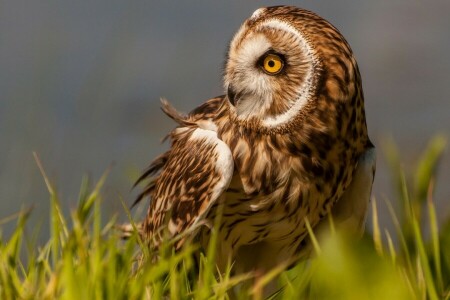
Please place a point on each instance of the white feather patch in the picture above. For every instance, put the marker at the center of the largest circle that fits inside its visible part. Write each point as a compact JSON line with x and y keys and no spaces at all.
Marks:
{"x":305,"y":89}
{"x":257,"y":13}
{"x":224,"y":164}
{"x":259,"y":96}
{"x":255,"y":87}
{"x":255,"y":46}
{"x":207,"y":124}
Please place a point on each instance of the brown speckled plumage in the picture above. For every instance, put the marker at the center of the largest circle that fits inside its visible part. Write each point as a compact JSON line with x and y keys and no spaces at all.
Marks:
{"x":270,"y":159}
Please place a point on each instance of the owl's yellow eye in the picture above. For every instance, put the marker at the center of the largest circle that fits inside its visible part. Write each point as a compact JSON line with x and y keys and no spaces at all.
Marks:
{"x":272,"y":64}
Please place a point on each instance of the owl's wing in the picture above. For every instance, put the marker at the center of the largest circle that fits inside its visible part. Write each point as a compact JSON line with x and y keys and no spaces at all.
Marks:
{"x":194,"y":173}
{"x":349,"y":212}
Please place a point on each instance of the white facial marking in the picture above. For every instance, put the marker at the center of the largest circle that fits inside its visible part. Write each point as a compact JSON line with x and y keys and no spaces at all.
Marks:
{"x":304,"y":90}
{"x":255,"y":46}
{"x":255,"y":86}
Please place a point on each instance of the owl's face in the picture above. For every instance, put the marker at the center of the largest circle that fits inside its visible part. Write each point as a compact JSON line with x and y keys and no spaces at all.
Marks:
{"x":274,"y":65}
{"x":269,"y":69}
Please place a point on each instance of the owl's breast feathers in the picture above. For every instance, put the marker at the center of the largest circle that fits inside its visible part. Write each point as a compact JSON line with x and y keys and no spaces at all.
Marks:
{"x":269,"y":183}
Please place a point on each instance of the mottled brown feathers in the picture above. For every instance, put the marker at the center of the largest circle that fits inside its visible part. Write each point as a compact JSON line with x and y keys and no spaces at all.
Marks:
{"x":284,"y":151}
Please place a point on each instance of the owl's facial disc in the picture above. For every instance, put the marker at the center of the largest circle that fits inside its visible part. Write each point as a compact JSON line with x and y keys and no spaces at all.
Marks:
{"x":271,"y":63}
{"x":268,"y":71}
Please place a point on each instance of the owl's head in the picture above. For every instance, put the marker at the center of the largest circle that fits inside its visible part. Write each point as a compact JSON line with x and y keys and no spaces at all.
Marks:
{"x":281,"y":61}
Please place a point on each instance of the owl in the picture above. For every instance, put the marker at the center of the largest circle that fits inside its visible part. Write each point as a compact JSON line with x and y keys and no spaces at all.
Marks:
{"x":285,"y":148}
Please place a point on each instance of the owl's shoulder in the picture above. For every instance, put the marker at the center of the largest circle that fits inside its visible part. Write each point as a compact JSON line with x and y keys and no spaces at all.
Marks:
{"x":208,"y":110}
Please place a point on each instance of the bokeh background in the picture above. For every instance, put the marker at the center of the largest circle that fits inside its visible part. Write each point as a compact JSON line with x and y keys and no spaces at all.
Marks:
{"x":80,"y":83}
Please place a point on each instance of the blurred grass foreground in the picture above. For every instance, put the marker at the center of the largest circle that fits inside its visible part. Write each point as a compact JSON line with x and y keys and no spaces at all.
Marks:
{"x":85,"y":257}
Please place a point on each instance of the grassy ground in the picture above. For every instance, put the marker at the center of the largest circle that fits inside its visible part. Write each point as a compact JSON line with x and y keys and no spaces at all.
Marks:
{"x":86,"y":259}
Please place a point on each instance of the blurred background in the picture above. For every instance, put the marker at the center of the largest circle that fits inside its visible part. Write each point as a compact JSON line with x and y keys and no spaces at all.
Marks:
{"x":80,"y":83}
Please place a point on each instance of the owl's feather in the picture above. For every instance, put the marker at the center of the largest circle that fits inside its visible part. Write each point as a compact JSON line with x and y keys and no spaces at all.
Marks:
{"x":278,"y":150}
{"x":193,"y":174}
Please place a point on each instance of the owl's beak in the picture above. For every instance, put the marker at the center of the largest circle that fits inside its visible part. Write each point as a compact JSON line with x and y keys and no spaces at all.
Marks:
{"x":231,"y":93}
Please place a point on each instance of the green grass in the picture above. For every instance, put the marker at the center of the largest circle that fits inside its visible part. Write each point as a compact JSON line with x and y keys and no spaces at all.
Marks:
{"x":86,"y":259}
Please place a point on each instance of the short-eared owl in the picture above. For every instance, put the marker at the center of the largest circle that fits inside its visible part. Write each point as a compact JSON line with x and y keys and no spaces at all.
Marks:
{"x":285,"y":146}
